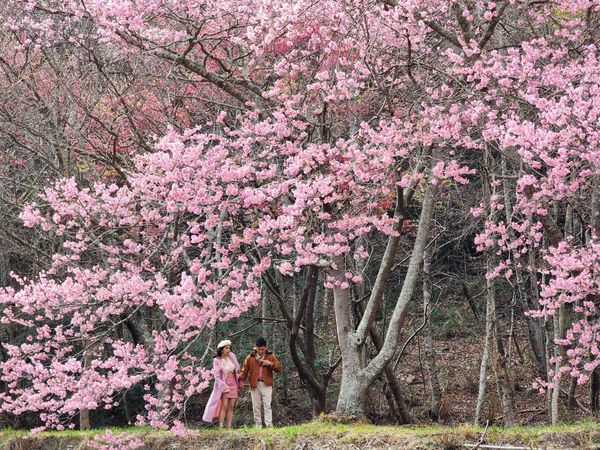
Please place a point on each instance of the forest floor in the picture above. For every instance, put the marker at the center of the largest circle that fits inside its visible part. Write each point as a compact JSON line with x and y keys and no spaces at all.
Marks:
{"x":458,"y":349}
{"x":328,"y":436}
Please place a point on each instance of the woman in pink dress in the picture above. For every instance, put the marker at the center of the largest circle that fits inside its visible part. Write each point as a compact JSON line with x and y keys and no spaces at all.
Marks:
{"x":225,"y":390}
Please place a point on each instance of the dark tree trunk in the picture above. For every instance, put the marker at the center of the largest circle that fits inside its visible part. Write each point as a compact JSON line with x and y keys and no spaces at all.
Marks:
{"x":471,"y":302}
{"x":301,"y":342}
{"x":595,"y":390}
{"x":595,"y":376}
{"x":572,"y":401}
{"x":391,"y":386}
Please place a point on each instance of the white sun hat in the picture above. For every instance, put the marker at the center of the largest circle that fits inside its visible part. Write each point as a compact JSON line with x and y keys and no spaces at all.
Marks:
{"x":224,"y":343}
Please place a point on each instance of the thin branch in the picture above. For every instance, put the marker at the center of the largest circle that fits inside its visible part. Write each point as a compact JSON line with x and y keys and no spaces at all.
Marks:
{"x":449,"y":36}
{"x":489,"y":32}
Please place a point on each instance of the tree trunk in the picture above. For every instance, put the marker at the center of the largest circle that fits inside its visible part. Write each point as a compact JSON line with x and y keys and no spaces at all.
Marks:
{"x":534,"y":324}
{"x":490,"y":314}
{"x":594,"y":389}
{"x":324,"y":319}
{"x":535,"y":328}
{"x":504,"y":381}
{"x":558,"y":327}
{"x":595,"y":213}
{"x":309,"y":323}
{"x":570,"y":232}
{"x":11,"y":332}
{"x":352,"y":396}
{"x":434,"y":383}
{"x":392,"y":389}
{"x":502,"y":371}
{"x":84,"y":414}
{"x":356,"y":380}
{"x":84,"y":419}
{"x":4,"y":270}
{"x":264,"y":313}
{"x":306,"y":369}
{"x":352,"y":388}
{"x":301,"y":340}
{"x":538,"y":325}
{"x":558,"y":331}
{"x":572,"y":401}
{"x":470,"y":301}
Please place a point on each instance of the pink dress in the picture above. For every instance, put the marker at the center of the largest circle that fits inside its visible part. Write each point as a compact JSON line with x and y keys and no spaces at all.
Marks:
{"x":213,"y":407}
{"x":230,"y":379}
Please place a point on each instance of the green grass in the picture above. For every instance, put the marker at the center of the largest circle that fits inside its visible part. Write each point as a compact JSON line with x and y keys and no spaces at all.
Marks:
{"x":317,"y":427}
{"x":428,"y":436}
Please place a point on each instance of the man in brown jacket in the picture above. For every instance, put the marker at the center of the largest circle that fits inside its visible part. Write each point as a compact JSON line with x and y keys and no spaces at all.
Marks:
{"x":258,"y":368}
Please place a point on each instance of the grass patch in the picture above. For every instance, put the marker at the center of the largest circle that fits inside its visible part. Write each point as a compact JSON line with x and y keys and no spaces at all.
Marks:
{"x":322,"y":433}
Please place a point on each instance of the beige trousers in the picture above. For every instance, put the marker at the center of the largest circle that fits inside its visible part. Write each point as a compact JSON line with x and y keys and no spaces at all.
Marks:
{"x":261,"y":398}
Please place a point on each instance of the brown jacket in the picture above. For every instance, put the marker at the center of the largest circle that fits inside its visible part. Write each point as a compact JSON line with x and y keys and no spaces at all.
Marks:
{"x":251,"y":368}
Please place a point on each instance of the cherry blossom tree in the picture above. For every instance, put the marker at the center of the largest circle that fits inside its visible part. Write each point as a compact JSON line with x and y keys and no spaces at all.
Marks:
{"x":547,"y":125}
